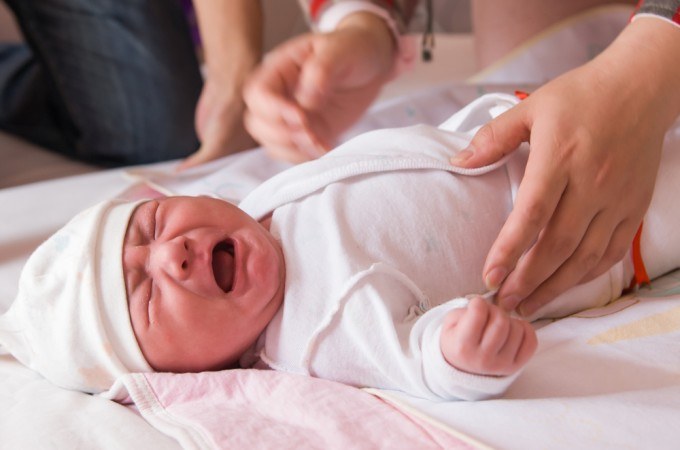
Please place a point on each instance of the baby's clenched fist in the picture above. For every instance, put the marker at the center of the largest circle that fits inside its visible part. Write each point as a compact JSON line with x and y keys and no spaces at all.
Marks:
{"x":483,"y":339}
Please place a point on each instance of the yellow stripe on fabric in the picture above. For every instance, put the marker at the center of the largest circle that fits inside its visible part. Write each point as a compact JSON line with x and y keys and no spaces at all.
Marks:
{"x":662,"y":323}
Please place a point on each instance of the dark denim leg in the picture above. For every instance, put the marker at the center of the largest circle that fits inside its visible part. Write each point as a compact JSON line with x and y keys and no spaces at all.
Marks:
{"x":27,"y":107}
{"x":123,"y":71}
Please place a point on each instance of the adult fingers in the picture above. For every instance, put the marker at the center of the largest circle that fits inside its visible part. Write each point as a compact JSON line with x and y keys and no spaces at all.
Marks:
{"x":558,"y":240}
{"x":210,"y":148}
{"x":537,"y":198}
{"x":586,"y":256}
{"x":599,"y":250}
{"x":281,"y":142}
{"x":270,"y":91}
{"x":315,"y":83}
{"x":199,"y":157}
{"x":496,"y":139}
{"x":271,"y":105}
{"x":619,"y":245}
{"x":218,"y":139}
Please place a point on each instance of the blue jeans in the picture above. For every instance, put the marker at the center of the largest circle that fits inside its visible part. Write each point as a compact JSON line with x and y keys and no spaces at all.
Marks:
{"x":111,"y":82}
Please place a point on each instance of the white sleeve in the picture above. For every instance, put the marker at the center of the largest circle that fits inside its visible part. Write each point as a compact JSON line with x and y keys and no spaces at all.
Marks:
{"x":381,"y":339}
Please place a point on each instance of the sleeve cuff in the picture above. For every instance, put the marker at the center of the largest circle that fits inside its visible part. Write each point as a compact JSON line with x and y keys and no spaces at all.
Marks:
{"x":675,"y":21}
{"x":406,"y":46}
{"x":458,"y":384}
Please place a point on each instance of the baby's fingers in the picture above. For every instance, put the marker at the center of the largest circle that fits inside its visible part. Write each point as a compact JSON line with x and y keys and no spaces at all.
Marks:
{"x":462,"y":333}
{"x":471,"y":326}
{"x":521,"y":345}
{"x":495,"y":334}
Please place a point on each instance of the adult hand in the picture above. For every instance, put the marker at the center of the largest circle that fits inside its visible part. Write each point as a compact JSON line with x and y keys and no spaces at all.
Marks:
{"x":219,"y":123}
{"x":483,"y":339}
{"x":231,"y":33}
{"x":312,"y":88}
{"x":595,"y":135}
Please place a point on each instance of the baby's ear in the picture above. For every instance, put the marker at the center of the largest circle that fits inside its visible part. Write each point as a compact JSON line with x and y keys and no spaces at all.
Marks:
{"x":140,"y":191}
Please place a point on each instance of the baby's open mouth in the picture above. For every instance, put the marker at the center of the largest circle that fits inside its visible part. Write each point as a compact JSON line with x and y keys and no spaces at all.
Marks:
{"x":223,"y":265}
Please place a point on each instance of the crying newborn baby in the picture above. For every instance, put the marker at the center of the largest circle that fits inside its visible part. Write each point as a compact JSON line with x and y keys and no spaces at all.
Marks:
{"x":362,"y":267}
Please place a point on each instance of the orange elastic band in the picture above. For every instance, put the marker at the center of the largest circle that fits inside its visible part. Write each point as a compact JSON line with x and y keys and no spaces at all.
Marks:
{"x":640,"y":277}
{"x":521,"y":95}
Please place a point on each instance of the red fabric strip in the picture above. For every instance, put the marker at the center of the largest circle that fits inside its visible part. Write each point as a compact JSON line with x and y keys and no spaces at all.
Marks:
{"x":640,"y":277}
{"x":315,"y":7}
{"x":637,"y":8}
{"x":676,"y":16}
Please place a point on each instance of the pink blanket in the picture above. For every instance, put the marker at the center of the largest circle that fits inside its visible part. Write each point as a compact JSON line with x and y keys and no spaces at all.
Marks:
{"x":267,"y":409}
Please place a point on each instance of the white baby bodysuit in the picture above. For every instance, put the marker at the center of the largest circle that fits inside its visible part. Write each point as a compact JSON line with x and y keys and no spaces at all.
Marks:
{"x":378,"y":237}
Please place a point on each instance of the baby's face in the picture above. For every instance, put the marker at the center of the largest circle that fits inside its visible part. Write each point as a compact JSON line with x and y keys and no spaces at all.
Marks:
{"x":203,"y":280}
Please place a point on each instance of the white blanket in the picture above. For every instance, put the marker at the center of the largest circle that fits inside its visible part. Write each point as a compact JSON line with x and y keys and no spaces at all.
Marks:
{"x":604,"y":379}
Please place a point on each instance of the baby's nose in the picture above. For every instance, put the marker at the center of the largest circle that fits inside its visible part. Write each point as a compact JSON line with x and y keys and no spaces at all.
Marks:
{"x":172,"y":257}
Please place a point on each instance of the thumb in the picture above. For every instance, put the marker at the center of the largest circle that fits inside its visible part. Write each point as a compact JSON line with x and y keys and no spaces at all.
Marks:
{"x":496,"y":139}
{"x":209,"y":149}
{"x":332,"y":65}
{"x":317,"y":81}
{"x":200,"y":156}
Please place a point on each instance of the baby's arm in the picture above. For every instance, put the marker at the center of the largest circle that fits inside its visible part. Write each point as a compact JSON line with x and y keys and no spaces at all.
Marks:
{"x":482,"y":339}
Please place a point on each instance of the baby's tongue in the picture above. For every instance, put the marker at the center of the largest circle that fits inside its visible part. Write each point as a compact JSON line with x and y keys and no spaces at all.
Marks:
{"x":223,"y":267}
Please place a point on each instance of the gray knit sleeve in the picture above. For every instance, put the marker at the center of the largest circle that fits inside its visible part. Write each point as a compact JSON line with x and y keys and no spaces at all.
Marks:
{"x":669,"y":9}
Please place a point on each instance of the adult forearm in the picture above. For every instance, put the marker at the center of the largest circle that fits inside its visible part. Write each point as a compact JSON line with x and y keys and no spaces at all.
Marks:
{"x":231,"y":32}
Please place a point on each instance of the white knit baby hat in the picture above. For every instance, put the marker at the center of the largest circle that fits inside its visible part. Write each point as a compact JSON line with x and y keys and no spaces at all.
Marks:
{"x":70,"y":320}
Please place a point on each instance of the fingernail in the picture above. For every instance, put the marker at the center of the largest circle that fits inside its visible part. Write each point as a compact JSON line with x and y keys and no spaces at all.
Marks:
{"x":495,"y":277}
{"x":510,"y":303}
{"x":462,"y":156}
{"x":525,"y":310}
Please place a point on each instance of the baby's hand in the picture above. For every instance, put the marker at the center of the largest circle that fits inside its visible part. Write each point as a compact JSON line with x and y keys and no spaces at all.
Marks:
{"x":483,"y":339}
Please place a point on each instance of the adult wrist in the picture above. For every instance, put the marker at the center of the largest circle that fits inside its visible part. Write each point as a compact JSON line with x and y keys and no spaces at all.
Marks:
{"x":225,"y":71}
{"x":374,"y":26}
{"x":645,"y":53}
{"x":377,"y":21}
